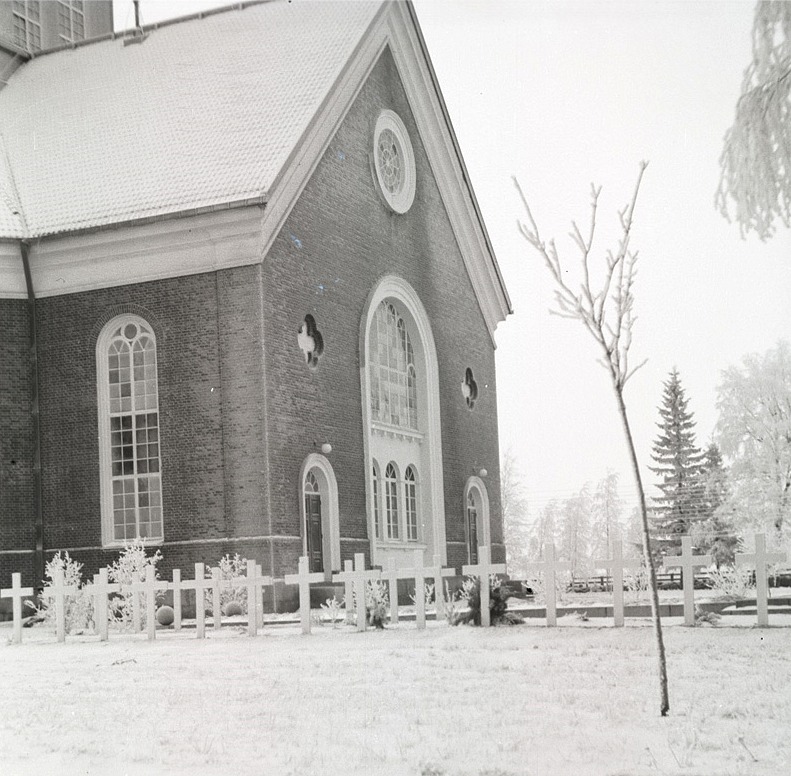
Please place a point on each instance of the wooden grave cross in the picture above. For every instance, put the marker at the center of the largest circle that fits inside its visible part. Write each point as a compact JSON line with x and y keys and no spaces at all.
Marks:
{"x":254,"y":582}
{"x":303,"y":578}
{"x":550,"y":566}
{"x":688,"y":563}
{"x":59,"y":590}
{"x":148,"y":586}
{"x":391,"y":575}
{"x":100,"y":589}
{"x":16,"y":592}
{"x":419,"y":574}
{"x":346,"y":577}
{"x":175,"y":586}
{"x":358,"y":577}
{"x":483,"y":569}
{"x":617,"y":564}
{"x":200,"y":584}
{"x":760,"y":559}
{"x":438,"y":573}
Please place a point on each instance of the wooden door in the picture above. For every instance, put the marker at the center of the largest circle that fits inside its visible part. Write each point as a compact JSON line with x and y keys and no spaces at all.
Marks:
{"x":313,"y":520}
{"x":472,"y":532}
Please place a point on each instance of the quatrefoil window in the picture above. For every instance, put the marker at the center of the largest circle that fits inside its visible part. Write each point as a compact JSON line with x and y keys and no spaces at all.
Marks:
{"x":310,"y":341}
{"x":469,"y":388}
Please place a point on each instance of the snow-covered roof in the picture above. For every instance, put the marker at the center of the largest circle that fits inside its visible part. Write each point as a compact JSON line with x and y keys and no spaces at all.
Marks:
{"x":202,"y":113}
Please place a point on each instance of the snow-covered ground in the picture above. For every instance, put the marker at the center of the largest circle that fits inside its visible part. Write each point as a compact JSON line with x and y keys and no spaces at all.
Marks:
{"x":580,"y":699}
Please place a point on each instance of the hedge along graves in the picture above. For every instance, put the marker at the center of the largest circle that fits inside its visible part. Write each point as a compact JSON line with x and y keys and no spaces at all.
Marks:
{"x":483,"y":570}
{"x":760,"y":559}
{"x":303,"y":578}
{"x":16,"y":592}
{"x":688,"y":563}
{"x":550,"y":566}
{"x":616,"y":565}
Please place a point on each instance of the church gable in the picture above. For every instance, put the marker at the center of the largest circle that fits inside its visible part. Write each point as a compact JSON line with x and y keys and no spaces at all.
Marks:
{"x":339,"y":243}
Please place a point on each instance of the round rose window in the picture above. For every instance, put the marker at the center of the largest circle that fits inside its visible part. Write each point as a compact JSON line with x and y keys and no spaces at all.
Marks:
{"x":394,"y":162}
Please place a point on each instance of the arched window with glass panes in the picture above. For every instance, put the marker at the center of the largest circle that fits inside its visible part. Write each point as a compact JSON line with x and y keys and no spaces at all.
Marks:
{"x":396,"y":504}
{"x":393,"y":375}
{"x":128,"y":404}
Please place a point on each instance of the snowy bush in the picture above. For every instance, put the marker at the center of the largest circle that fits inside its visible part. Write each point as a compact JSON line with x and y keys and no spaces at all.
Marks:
{"x":732,"y":581}
{"x":230,"y":568}
{"x":376,"y":603}
{"x":498,"y":603}
{"x":428,"y":594}
{"x":78,"y":607}
{"x":129,"y":568}
{"x":332,"y":610}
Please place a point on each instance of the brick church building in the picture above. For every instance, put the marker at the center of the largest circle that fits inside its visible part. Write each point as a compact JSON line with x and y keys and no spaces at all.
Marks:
{"x":247,"y":300}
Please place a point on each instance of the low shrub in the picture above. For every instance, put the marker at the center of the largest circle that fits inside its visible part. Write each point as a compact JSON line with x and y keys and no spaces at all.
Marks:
{"x":233,"y":597}
{"x":78,"y":607}
{"x":129,"y":568}
{"x":498,"y":604}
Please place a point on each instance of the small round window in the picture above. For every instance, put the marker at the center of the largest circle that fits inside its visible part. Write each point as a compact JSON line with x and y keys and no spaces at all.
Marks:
{"x":394,"y":162}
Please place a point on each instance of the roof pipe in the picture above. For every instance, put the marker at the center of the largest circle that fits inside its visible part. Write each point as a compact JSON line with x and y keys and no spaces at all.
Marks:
{"x":38,"y":513}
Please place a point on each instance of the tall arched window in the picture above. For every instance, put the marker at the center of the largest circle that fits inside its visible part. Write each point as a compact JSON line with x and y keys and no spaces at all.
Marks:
{"x":391,"y":502}
{"x":393,"y":372}
{"x":410,"y":504}
{"x":399,"y":381}
{"x":130,"y":466}
{"x":375,"y":494}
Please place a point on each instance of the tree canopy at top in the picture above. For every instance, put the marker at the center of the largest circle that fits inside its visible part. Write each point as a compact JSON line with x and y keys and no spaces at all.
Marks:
{"x":755,"y":184}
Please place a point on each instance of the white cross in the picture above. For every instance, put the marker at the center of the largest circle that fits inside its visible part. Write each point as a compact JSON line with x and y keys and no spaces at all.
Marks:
{"x":688,"y":563}
{"x":175,"y":586}
{"x":419,"y":574}
{"x":391,"y":575}
{"x":16,"y":592}
{"x":483,"y":569}
{"x":437,"y":572}
{"x":303,"y":578}
{"x":617,"y":564}
{"x":199,"y":585}
{"x":359,"y":577}
{"x":550,"y":566}
{"x":149,"y":587}
{"x":254,"y":582}
{"x":100,"y":589}
{"x":59,"y":590}
{"x":760,"y":559}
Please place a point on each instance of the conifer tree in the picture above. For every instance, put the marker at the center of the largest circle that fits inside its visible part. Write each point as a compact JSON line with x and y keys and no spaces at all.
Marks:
{"x":715,"y":535}
{"x":680,"y":465}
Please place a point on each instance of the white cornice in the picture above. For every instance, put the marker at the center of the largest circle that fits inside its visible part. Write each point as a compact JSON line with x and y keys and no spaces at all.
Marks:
{"x":135,"y":254}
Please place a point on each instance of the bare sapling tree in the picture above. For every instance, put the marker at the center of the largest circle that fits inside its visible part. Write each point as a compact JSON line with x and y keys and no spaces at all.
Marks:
{"x":608,"y":315}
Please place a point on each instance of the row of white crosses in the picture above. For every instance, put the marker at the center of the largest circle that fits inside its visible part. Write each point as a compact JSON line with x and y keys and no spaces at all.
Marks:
{"x":688,"y":562}
{"x":355,"y":577}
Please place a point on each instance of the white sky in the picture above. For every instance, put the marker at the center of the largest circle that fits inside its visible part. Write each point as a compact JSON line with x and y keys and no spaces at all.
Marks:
{"x":563,"y":94}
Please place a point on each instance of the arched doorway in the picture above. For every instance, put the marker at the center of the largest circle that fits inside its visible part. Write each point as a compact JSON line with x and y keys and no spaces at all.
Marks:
{"x":320,"y":521}
{"x":476,"y":517}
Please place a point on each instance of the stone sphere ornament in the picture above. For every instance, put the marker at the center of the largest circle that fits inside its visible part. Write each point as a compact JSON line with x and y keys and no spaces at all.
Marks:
{"x":233,"y":609}
{"x":165,"y":615}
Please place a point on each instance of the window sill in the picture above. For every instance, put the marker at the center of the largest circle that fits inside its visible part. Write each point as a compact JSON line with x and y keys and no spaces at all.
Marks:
{"x":397,"y":432}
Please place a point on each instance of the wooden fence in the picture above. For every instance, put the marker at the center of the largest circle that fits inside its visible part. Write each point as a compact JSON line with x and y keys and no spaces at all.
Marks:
{"x":143,"y":593}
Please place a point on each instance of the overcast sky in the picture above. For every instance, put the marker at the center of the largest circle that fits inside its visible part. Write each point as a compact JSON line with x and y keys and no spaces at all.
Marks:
{"x":563,"y":94}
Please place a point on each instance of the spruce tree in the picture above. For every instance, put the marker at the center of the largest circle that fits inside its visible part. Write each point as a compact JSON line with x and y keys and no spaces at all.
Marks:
{"x":680,"y":466}
{"x":716,"y":536}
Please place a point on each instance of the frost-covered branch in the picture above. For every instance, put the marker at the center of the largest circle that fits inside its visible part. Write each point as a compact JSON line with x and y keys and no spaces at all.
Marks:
{"x":755,"y":182}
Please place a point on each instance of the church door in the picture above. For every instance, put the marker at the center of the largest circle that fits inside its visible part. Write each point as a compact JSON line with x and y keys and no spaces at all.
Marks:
{"x":313,"y":519}
{"x":472,"y":526}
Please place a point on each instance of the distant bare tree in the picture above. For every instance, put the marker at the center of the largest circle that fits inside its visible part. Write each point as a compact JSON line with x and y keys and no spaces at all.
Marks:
{"x":756,"y":159}
{"x":608,"y":316}
{"x":515,"y":523}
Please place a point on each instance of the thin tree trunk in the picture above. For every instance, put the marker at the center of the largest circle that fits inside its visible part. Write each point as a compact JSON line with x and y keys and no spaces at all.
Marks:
{"x":649,"y":561}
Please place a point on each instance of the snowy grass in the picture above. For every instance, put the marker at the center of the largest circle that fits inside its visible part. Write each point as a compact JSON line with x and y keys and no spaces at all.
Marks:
{"x":578,"y":699}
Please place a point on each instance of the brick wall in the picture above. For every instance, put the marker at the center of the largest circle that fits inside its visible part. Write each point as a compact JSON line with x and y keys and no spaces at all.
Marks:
{"x":338,"y":241}
{"x":16,"y":440}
